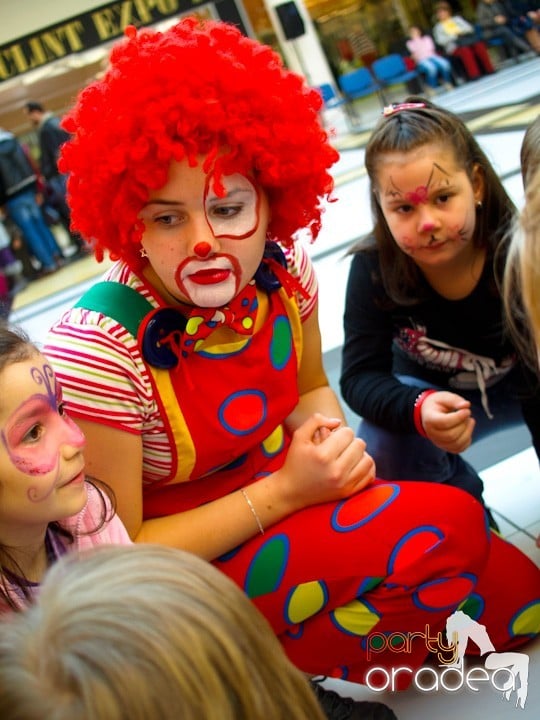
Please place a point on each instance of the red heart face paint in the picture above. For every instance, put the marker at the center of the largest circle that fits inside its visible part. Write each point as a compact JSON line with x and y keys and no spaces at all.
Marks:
{"x":428,"y":202}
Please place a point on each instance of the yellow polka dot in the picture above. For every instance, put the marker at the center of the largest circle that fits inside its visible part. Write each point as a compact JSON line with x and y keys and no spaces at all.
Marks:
{"x":528,"y":621}
{"x":247,"y":323}
{"x":356,"y":618}
{"x":274,"y":442}
{"x":305,"y":601}
{"x":192,"y":325}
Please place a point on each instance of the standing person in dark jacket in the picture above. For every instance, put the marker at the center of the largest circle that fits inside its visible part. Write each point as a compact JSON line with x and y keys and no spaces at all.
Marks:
{"x":51,"y":139}
{"x":18,"y":192}
{"x":426,"y":359}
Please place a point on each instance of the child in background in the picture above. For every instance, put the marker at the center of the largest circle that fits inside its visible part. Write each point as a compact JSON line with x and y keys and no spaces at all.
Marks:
{"x":145,"y":632}
{"x":47,"y":506}
{"x":426,"y":360}
{"x":434,"y":67}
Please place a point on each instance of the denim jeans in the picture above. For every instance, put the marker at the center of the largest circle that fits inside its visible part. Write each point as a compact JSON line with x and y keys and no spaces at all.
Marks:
{"x":411,"y":457}
{"x":433,"y":67}
{"x":26,"y":213}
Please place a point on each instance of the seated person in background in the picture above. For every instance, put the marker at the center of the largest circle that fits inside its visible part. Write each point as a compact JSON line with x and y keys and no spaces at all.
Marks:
{"x":525,"y":20}
{"x":145,"y":632}
{"x":457,"y":38}
{"x":433,"y":66}
{"x":495,"y":25}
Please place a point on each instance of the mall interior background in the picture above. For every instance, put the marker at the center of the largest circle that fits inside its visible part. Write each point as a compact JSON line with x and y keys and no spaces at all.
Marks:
{"x":344,"y":33}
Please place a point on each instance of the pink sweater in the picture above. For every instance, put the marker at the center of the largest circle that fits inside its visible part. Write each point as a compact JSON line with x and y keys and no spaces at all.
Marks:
{"x":421,"y":48}
{"x":81,"y":526}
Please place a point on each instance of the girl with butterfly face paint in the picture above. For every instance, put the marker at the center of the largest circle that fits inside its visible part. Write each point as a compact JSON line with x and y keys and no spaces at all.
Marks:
{"x":43,"y":490}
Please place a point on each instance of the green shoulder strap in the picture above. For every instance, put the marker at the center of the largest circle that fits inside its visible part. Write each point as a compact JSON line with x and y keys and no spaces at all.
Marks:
{"x":119,"y":302}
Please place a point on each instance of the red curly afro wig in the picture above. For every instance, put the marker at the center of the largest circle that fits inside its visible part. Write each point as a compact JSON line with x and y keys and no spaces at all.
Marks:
{"x":200,"y":88}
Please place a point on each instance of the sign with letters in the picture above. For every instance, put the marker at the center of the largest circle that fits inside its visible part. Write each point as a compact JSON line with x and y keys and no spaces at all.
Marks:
{"x":83,"y":32}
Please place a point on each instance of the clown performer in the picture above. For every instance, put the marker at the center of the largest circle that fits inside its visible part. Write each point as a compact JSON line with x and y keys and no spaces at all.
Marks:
{"x":195,"y":367}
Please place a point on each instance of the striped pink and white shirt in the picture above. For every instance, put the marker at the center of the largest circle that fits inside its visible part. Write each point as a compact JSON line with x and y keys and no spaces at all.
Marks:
{"x":104,"y":377}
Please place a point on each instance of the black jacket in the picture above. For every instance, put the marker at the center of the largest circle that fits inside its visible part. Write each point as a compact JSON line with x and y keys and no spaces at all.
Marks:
{"x":441,"y":342}
{"x":16,"y":173}
{"x":51,"y":139}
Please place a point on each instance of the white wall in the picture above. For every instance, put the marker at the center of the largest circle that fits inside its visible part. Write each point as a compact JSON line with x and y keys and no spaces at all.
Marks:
{"x":26,"y":16}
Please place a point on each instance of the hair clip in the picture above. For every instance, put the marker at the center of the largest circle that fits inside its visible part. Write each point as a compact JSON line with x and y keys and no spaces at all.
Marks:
{"x":397,"y":107}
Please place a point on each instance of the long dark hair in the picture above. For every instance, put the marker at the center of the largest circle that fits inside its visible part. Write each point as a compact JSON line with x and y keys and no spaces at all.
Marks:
{"x":15,"y":346}
{"x":404,"y":131}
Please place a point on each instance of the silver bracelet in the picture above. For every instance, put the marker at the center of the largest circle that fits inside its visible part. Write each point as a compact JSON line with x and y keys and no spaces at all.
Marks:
{"x":252,"y":508}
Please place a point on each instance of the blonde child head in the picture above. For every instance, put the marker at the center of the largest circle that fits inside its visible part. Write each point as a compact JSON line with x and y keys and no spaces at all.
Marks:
{"x":146,"y":632}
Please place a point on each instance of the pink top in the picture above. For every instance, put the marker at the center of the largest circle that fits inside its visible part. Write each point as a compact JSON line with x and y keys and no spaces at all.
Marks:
{"x":82,"y":526}
{"x":421,"y":48}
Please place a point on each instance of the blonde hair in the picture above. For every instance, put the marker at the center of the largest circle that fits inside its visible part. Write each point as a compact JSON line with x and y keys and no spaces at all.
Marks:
{"x":529,"y":253}
{"x":530,"y":151}
{"x":521,"y":290}
{"x":145,"y":632}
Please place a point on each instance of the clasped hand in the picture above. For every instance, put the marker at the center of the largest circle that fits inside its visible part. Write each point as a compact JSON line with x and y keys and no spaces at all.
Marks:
{"x":325,"y":462}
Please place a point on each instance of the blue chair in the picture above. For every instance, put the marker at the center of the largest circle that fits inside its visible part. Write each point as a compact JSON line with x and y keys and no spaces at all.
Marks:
{"x":357,"y":84}
{"x":330,"y":98}
{"x":391,"y":70}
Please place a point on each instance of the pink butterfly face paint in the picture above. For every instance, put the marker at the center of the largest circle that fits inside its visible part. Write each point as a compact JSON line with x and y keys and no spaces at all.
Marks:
{"x":41,"y":460}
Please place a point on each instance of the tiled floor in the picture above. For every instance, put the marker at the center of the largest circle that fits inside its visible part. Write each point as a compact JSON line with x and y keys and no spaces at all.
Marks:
{"x":498,"y":109}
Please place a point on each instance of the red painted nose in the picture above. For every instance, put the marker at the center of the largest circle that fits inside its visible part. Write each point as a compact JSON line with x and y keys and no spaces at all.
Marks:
{"x":202,"y":249}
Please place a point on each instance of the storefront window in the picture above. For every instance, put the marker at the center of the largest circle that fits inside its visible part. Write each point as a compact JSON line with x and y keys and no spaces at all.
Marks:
{"x":354,"y":34}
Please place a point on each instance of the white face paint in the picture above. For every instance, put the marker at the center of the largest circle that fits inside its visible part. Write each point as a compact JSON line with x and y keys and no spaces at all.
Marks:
{"x":204,"y":248}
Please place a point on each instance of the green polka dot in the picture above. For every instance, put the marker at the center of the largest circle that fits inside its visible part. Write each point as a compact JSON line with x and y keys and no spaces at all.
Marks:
{"x":281,"y":345}
{"x":376,"y":642}
{"x":267,"y":567}
{"x":370,"y":583}
{"x":472,"y":606}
